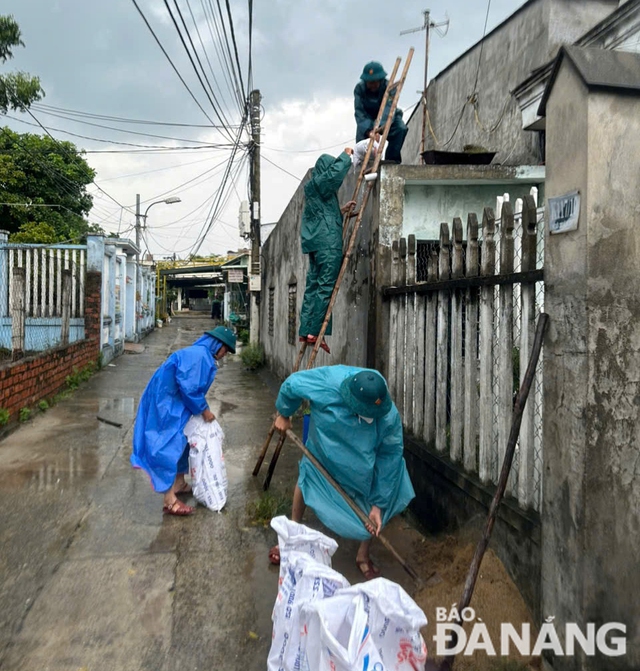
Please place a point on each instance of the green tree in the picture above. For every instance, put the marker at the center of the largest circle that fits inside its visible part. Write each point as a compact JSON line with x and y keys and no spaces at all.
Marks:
{"x":39,"y":171}
{"x":17,"y":89}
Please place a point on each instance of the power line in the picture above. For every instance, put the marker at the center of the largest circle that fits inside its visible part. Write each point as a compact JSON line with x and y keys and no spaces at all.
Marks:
{"x":148,"y":172}
{"x":484,"y":32}
{"x":189,"y":56}
{"x":235,"y":46}
{"x":67,"y":152}
{"x":283,"y":170}
{"x":155,"y":37}
{"x":122,"y":130}
{"x":156,"y":150}
{"x":118,"y":119}
{"x":103,"y":140}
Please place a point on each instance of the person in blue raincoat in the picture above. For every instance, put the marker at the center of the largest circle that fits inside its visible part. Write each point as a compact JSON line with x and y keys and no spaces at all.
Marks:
{"x":368,"y":95}
{"x":355,"y":432}
{"x":176,"y":391}
{"x":321,"y":233}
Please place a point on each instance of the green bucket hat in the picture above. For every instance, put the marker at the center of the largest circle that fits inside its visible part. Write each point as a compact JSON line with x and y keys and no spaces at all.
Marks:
{"x":373,"y":72}
{"x":366,"y":394}
{"x":226,"y":336}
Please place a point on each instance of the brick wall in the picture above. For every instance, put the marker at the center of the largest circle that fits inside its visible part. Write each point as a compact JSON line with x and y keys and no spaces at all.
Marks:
{"x":25,"y":382}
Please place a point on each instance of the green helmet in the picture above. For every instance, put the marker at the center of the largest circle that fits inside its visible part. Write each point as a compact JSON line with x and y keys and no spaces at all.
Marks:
{"x":366,"y":394}
{"x":373,"y":72}
{"x":226,"y":336}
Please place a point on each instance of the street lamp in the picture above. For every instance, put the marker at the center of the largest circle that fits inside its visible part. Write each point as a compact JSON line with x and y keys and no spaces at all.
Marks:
{"x":167,"y":201}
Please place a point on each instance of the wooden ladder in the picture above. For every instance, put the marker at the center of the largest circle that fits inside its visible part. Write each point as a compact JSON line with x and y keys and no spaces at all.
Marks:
{"x":396,"y":87}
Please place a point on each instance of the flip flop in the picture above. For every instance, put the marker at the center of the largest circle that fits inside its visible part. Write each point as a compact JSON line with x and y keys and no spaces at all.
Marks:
{"x":274,"y":555}
{"x":178,"y":509}
{"x":368,"y":569}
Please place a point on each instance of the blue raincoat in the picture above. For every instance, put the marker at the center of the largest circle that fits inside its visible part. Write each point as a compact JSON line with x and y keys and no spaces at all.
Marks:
{"x":176,"y":391}
{"x":365,"y":459}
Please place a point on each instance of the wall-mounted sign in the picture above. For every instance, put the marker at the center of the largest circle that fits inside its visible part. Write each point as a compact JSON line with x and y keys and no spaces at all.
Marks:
{"x":564,"y":212}
{"x":255,"y":283}
{"x":235,"y":276}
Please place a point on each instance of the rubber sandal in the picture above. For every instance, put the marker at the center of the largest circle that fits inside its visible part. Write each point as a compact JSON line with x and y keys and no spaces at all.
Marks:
{"x":178,"y":509}
{"x":311,"y":339}
{"x":274,"y":555}
{"x":368,"y":569}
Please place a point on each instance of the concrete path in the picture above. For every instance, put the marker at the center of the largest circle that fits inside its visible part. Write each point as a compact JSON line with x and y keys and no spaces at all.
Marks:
{"x":93,"y":577}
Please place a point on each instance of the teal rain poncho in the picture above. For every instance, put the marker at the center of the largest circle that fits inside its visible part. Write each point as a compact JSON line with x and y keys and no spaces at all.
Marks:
{"x":176,"y":391}
{"x":321,"y":227}
{"x":365,"y":459}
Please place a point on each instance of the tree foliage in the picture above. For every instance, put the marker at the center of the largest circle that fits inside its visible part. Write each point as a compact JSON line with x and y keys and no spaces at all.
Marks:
{"x":37,"y":171}
{"x":17,"y":89}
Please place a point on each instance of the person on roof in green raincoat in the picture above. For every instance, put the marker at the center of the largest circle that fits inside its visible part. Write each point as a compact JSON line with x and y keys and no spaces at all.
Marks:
{"x":321,"y":233}
{"x":368,"y":95}
{"x":355,"y":432}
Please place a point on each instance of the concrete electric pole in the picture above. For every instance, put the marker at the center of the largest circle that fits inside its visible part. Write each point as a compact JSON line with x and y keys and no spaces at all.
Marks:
{"x":254,"y":270}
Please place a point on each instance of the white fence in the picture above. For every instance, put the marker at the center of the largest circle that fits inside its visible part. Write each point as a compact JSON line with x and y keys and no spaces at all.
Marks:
{"x":41,"y":295}
{"x":462,"y":318}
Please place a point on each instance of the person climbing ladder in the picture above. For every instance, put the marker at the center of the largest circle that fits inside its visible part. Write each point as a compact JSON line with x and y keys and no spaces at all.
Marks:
{"x":321,"y":233}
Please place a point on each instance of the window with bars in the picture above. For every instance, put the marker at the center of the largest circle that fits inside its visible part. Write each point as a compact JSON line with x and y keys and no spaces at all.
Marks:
{"x":272,"y":295}
{"x":293,"y":313}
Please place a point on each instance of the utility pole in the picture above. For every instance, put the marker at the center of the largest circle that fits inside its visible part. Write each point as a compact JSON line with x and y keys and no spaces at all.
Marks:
{"x":426,"y":26}
{"x":254,"y":270}
{"x":138,"y":271}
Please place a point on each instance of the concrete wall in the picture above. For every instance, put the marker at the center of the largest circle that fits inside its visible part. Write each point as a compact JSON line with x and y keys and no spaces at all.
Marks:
{"x":527,"y":40}
{"x":283,"y":262}
{"x":591,"y":512}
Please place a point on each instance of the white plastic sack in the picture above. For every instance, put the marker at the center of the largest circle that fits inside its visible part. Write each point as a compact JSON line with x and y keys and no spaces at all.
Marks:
{"x":206,"y":462}
{"x":294,"y":537}
{"x":305,"y":581}
{"x":375,"y":623}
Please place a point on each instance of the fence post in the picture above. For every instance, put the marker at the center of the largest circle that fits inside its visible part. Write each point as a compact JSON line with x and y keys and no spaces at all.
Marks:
{"x":4,"y":275}
{"x":393,"y":318}
{"x":431,"y":332}
{"x":457,"y":363}
{"x":419,"y":390}
{"x":66,"y":307}
{"x":18,"y":290}
{"x":527,"y":331}
{"x":442,"y":356}
{"x":410,"y":309}
{"x":400,"y":327}
{"x":505,"y":338}
{"x":470,"y":460}
{"x":487,"y":300}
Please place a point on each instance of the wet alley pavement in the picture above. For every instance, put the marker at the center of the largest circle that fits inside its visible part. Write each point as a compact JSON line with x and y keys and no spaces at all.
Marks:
{"x":93,"y":576}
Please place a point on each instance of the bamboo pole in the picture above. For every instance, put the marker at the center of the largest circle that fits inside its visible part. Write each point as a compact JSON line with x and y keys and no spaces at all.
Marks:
{"x":398,"y":88}
{"x":354,"y":233}
{"x":518,"y":411}
{"x":361,"y":515}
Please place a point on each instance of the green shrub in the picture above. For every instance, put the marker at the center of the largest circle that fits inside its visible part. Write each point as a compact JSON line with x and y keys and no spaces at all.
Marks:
{"x":268,"y":506}
{"x":4,"y":416}
{"x":243,"y":336}
{"x":252,"y":357}
{"x":43,"y":405}
{"x":25,"y":414}
{"x":80,"y":375}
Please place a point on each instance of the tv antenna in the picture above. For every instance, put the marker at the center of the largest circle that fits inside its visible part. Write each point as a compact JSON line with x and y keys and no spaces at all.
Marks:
{"x":441,"y":28}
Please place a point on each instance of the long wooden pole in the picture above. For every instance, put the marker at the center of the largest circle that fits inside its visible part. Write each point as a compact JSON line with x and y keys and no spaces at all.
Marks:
{"x":398,"y":88}
{"x":361,"y":516}
{"x":372,"y":139}
{"x":516,"y":421}
{"x":354,"y":233}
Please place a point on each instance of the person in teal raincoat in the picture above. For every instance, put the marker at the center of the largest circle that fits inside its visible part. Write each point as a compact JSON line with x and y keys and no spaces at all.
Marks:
{"x":176,"y":391}
{"x":321,"y":233}
{"x":355,"y":432}
{"x":368,"y":95}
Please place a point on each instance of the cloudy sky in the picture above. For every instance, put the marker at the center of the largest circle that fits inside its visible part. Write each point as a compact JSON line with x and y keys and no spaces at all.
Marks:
{"x":99,"y":57}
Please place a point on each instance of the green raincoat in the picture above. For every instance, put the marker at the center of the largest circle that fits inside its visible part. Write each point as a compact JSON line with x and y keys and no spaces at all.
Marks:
{"x":321,"y":233}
